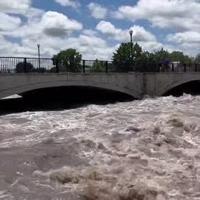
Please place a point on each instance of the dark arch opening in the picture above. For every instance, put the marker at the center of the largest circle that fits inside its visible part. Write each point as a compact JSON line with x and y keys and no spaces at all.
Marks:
{"x":192,"y":87}
{"x":59,"y":98}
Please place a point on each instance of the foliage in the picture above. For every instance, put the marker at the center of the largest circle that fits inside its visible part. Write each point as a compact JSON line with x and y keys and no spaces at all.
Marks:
{"x":128,"y":58}
{"x":23,"y":67}
{"x":162,"y":56}
{"x":98,"y":66}
{"x":197,"y":58}
{"x":146,"y":62}
{"x":179,"y":56}
{"x":125,"y":56}
{"x":68,"y":60}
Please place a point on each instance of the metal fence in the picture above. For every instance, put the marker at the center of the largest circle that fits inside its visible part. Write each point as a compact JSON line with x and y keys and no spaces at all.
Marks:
{"x":48,"y":65}
{"x":21,"y":64}
{"x":42,"y":65}
{"x":181,"y":67}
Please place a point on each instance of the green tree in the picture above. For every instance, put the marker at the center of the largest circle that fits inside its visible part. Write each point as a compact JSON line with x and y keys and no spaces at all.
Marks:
{"x":197,"y":58}
{"x":146,"y":62}
{"x":98,"y":66}
{"x":127,"y":59}
{"x":23,"y":67}
{"x":162,"y":56}
{"x":137,"y":51}
{"x":125,"y":56}
{"x":68,"y":60}
{"x":179,"y":56}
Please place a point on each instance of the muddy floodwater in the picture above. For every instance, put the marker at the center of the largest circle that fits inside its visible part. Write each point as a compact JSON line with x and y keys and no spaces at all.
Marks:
{"x":139,"y":150}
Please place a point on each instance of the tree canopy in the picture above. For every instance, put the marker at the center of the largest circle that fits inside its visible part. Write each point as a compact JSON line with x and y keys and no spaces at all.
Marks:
{"x":126,"y":55}
{"x":68,"y":60}
{"x":98,"y":66}
{"x":197,"y":58}
{"x":23,"y":67}
{"x":129,"y":58}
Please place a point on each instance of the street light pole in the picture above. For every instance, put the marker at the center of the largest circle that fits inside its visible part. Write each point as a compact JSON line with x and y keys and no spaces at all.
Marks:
{"x":131,"y":40}
{"x":38,"y":45}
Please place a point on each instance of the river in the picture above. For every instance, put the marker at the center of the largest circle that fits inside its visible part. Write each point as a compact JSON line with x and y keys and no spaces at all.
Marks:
{"x":138,"y":150}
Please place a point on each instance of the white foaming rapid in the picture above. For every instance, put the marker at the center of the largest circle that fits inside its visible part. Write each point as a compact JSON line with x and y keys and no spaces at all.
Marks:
{"x":140,"y":150}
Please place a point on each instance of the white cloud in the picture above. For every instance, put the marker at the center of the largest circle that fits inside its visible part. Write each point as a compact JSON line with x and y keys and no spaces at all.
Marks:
{"x":9,"y":23}
{"x":50,"y":29}
{"x":139,"y":33}
{"x":72,"y":3}
{"x":91,"y":47}
{"x":108,"y":28}
{"x":58,"y":25}
{"x":19,"y":8}
{"x":188,"y":41}
{"x":185,"y":37}
{"x":181,"y":16}
{"x":152,"y":46}
{"x":89,"y":32}
{"x":177,"y":14}
{"x":146,"y":39}
{"x":8,"y":48}
{"x":54,"y":30}
{"x":13,"y":6}
{"x":97,"y":11}
{"x":5,"y":46}
{"x":34,"y":15}
{"x":50,"y":23}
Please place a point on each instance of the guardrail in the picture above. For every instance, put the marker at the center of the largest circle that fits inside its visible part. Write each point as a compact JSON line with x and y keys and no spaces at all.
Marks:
{"x":48,"y":65}
{"x":41,"y":65}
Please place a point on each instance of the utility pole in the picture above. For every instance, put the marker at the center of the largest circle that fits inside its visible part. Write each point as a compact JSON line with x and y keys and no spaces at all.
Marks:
{"x":131,"y":40}
{"x":38,"y":45}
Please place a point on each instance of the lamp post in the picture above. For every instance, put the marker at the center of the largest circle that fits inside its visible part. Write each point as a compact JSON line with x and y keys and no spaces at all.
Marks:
{"x":38,"y":45}
{"x":131,"y":40}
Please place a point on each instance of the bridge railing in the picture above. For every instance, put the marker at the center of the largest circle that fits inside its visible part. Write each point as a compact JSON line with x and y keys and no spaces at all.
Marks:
{"x":43,"y":65}
{"x":23,"y":65}
{"x":192,"y":67}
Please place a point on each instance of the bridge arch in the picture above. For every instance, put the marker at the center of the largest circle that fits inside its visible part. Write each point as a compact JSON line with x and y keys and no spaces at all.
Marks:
{"x":23,"y":88}
{"x":179,"y":86}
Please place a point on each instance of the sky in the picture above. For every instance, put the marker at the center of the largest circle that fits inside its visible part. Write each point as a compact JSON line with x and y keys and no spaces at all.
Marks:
{"x":97,"y":28}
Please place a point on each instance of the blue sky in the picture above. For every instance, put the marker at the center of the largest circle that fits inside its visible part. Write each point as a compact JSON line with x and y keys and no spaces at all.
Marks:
{"x":96,"y":28}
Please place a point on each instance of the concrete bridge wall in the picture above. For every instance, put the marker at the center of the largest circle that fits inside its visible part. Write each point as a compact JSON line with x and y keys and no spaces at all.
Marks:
{"x":20,"y":83}
{"x":157,"y":84}
{"x":134,"y":84}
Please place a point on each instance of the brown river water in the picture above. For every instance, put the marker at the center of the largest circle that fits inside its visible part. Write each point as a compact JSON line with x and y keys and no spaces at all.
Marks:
{"x":139,"y":150}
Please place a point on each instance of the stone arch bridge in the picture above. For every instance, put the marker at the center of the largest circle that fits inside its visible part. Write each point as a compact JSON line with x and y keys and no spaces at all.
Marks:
{"x":136,"y":85}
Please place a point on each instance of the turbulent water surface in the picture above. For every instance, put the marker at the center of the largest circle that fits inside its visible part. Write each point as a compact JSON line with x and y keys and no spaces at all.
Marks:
{"x":140,"y":150}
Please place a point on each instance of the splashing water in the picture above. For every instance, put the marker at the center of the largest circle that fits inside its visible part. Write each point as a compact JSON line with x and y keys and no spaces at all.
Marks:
{"x":140,"y":150}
